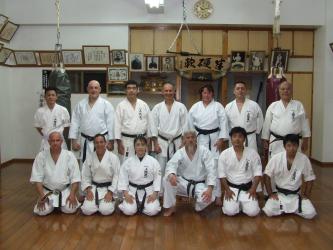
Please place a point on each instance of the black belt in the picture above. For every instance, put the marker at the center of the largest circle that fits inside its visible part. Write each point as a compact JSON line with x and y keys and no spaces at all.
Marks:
{"x":98,"y":185}
{"x":280,"y":137}
{"x":172,"y":141}
{"x":206,"y":132}
{"x":89,"y":138}
{"x":140,"y":187}
{"x":192,"y":183}
{"x":247,"y":140}
{"x":133,"y":136}
{"x":55,"y":192}
{"x":288,"y":192}
{"x":240,"y":187}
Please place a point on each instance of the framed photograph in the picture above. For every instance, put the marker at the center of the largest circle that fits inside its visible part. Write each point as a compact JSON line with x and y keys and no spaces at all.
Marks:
{"x":96,"y":55}
{"x":8,"y":31}
{"x":72,"y":57}
{"x":280,"y":59}
{"x":237,"y":60}
{"x":168,"y":63}
{"x":25,"y":58}
{"x":257,"y":60}
{"x":118,"y":56}
{"x":117,"y":74}
{"x":331,"y":46}
{"x":153,"y":63}
{"x":116,"y":88}
{"x":48,"y":58}
{"x":4,"y":55}
{"x":136,"y":62}
{"x":3,"y":21}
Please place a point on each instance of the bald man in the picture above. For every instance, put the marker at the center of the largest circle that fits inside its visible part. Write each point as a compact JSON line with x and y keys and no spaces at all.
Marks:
{"x":92,"y":115}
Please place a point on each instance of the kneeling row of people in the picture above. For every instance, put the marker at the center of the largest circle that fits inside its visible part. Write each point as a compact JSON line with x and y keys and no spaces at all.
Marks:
{"x":191,"y":172}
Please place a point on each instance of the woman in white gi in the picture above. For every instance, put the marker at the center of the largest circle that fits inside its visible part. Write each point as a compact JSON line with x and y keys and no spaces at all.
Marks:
{"x":191,"y":173}
{"x":56,"y":174}
{"x":288,"y":169}
{"x":140,"y":181}
{"x":209,"y":119}
{"x":100,"y":179}
{"x":240,"y":171}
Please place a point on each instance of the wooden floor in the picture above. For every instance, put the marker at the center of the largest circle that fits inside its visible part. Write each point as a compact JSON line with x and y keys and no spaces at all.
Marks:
{"x":20,"y":229}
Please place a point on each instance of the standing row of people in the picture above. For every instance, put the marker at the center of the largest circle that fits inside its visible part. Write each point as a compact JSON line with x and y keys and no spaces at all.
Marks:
{"x":165,"y":125}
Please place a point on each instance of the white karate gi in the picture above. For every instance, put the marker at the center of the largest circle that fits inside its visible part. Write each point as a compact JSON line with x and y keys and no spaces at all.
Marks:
{"x":91,"y":121}
{"x":210,"y":117}
{"x":106,"y":170}
{"x":132,"y":122}
{"x":240,"y":172}
{"x":55,"y":176}
{"x":290,"y":180}
{"x":54,"y":120}
{"x":250,"y":118}
{"x":283,"y":121}
{"x":140,"y":173}
{"x":201,"y":168}
{"x":169,"y":125}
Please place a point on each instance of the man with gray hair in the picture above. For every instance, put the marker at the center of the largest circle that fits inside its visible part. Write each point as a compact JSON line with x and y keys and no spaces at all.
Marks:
{"x":190,"y":172}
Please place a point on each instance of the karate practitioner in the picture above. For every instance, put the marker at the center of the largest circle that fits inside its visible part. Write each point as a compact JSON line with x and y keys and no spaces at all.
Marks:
{"x":209,"y":119}
{"x":191,"y":173}
{"x":289,"y":168}
{"x":51,"y":117}
{"x":240,"y":171}
{"x":283,"y":117}
{"x":132,"y":120}
{"x":140,"y":181}
{"x":100,"y":179}
{"x":245,"y":113}
{"x":56,"y":174}
{"x":169,"y":121}
{"x":91,"y":116}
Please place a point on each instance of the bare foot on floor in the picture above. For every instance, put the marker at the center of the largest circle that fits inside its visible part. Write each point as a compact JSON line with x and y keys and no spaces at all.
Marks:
{"x":169,"y":211}
{"x":218,"y":201}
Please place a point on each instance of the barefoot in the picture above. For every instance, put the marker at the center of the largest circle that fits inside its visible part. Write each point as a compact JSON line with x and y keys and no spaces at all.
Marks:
{"x":218,"y":201}
{"x":169,"y":211}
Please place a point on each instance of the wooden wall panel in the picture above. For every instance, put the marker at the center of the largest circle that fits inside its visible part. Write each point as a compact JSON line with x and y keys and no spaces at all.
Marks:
{"x":142,"y":41}
{"x":237,"y":40}
{"x":285,"y":40}
{"x":302,"y":91}
{"x":303,"y":43}
{"x":197,"y":39}
{"x":163,"y":40}
{"x":258,"y":40}
{"x":212,"y":42}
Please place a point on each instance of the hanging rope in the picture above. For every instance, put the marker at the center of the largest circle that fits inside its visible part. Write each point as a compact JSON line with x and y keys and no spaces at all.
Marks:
{"x":57,"y":3}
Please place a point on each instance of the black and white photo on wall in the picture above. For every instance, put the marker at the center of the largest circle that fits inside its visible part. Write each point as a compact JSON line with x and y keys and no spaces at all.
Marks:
{"x":279,"y":59}
{"x":117,"y":74}
{"x":152,"y":63}
{"x":168,"y":63}
{"x":136,"y":62}
{"x":257,"y":60}
{"x":238,"y":60}
{"x":118,"y":56}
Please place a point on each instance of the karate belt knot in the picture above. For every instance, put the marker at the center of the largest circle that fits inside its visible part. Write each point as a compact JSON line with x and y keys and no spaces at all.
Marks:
{"x":206,"y":132}
{"x":247,"y":140}
{"x":55,"y":192}
{"x":140,"y":187}
{"x":170,"y":142}
{"x":133,"y":135}
{"x":240,"y":187}
{"x":89,"y":138}
{"x":289,"y":192}
{"x":191,"y":183}
{"x":280,"y":137}
{"x":99,"y":185}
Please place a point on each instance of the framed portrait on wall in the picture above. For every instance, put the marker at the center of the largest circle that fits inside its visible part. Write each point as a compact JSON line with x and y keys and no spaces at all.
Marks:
{"x":72,"y":57}
{"x":237,"y":60}
{"x":4,"y":55}
{"x":25,"y":58}
{"x":153,"y":63}
{"x":117,"y":74}
{"x":118,"y":56}
{"x":257,"y":60}
{"x":136,"y":62}
{"x":168,"y":63}
{"x":279,"y":59}
{"x":96,"y":55}
{"x":8,"y":31}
